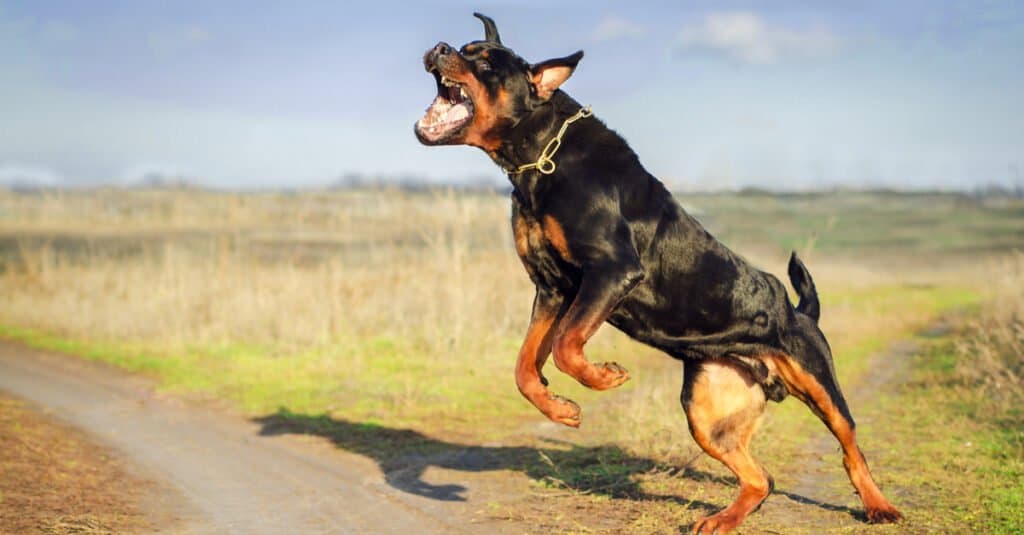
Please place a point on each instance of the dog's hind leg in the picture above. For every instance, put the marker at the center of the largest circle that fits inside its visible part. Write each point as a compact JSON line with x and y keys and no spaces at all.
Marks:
{"x":809,"y":375}
{"x":723,"y":407}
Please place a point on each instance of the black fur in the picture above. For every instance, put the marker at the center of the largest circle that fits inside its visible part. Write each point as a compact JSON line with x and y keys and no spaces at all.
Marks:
{"x":637,"y":259}
{"x":604,"y":241}
{"x":673,"y":285}
{"x":804,"y":286}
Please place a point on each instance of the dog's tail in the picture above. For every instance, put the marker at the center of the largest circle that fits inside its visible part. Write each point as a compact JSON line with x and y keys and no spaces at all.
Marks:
{"x":804,"y":286}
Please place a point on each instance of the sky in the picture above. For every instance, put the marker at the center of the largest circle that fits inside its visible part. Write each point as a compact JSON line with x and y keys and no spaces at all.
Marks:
{"x":790,"y":95}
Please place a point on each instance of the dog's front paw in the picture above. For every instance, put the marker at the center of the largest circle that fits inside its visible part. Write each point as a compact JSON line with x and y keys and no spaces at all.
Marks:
{"x":562,"y":410}
{"x":608,"y":375}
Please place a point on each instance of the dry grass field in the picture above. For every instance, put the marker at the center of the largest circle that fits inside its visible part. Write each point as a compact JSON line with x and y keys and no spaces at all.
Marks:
{"x":401,"y":310}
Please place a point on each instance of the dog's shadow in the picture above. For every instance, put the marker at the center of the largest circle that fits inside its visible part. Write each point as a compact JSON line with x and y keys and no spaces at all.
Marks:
{"x":404,"y":455}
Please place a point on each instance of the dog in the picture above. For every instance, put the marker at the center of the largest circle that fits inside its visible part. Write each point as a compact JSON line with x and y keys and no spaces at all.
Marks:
{"x":604,"y":241}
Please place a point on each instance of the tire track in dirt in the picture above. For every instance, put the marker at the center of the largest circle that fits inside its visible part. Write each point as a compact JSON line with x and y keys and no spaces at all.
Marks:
{"x":225,"y":476}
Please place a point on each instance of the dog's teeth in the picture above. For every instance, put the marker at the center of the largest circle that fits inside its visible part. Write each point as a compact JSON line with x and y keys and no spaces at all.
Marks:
{"x":462,"y":91}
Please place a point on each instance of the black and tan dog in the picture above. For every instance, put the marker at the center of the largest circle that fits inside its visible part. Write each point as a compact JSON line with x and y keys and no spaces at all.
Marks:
{"x":603,"y":240}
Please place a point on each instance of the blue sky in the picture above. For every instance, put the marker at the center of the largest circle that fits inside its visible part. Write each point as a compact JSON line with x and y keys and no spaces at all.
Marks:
{"x":711,"y":94}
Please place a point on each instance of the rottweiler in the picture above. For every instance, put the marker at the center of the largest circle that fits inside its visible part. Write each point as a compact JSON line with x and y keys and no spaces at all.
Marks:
{"x":604,"y":241}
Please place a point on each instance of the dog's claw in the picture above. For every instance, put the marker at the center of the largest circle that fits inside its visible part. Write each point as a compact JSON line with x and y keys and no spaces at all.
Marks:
{"x":614,"y":366}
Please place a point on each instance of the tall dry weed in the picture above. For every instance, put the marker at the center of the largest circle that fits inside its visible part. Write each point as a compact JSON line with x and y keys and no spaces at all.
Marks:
{"x":432,"y":271}
{"x":992,"y":352}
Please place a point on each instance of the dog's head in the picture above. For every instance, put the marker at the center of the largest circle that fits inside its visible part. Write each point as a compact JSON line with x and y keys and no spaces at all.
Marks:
{"x":484,"y":89}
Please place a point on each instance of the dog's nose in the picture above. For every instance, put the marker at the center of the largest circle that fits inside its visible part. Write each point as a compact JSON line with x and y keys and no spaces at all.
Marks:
{"x":441,"y":49}
{"x":434,"y":55}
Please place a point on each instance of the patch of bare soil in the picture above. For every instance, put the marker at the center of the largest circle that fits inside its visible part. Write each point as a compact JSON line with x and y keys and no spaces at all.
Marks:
{"x":54,"y":479}
{"x":217,"y":473}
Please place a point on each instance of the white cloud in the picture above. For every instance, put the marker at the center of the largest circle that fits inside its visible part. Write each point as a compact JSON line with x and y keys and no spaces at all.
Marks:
{"x":614,"y":28}
{"x":746,"y":37}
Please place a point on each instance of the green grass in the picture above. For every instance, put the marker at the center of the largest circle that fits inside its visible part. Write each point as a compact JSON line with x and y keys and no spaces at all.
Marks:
{"x":943,"y":454}
{"x":854,"y":224}
{"x":383,"y":379}
{"x":928,"y":302}
{"x":963,"y":463}
{"x":382,"y":407}
{"x":389,"y":383}
{"x":788,"y":423}
{"x":389,"y":395}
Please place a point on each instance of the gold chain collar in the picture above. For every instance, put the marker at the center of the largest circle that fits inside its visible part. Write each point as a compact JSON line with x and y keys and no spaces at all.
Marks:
{"x":545,"y":164}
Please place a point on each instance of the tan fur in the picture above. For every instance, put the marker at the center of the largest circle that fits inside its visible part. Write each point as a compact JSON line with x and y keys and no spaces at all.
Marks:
{"x":532,"y":355}
{"x":555,"y":235}
{"x":487,"y":110}
{"x":521,"y":235}
{"x":724,"y":409}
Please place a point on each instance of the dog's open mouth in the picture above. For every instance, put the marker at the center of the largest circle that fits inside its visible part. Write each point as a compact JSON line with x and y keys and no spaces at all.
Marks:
{"x":451,"y":110}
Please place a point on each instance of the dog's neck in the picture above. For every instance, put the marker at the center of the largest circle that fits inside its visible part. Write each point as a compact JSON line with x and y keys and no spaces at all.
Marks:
{"x":587,"y":146}
{"x":525,"y":141}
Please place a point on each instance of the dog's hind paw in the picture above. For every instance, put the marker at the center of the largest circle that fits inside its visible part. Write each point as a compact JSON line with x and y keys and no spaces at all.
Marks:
{"x":883,"y":515}
{"x":718,"y":524}
{"x":564,"y":411}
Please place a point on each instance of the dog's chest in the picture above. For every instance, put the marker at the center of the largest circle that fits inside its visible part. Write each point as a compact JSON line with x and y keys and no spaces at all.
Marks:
{"x":544,"y":250}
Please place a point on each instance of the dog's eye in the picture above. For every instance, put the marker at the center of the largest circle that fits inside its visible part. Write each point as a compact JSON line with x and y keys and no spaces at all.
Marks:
{"x":483,"y":66}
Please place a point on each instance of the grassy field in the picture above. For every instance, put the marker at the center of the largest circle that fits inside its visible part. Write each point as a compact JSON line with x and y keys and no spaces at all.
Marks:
{"x":360,"y":314}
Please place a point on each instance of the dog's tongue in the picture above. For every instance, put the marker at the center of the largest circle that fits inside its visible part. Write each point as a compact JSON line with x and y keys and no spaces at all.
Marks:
{"x":456,"y":113}
{"x":441,"y":112}
{"x":442,"y":117}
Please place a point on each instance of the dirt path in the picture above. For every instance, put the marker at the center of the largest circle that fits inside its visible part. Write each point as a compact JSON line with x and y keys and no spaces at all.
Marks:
{"x":54,"y":479}
{"x":223,"y":474}
{"x":288,"y":472}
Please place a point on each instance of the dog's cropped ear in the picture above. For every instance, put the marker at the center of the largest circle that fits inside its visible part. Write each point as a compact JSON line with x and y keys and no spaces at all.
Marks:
{"x":548,"y":75}
{"x":490,"y":29}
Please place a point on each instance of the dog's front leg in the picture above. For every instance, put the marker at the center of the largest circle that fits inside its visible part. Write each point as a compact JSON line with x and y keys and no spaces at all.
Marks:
{"x":548,"y":308}
{"x":602,"y":288}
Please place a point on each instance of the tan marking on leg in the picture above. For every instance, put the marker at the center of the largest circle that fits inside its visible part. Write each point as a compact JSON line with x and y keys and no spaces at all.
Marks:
{"x":569,"y":358}
{"x":520,"y":233}
{"x":534,"y":351}
{"x":724,"y":408}
{"x":807,"y":388}
{"x":555,"y":235}
{"x":527,"y":238}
